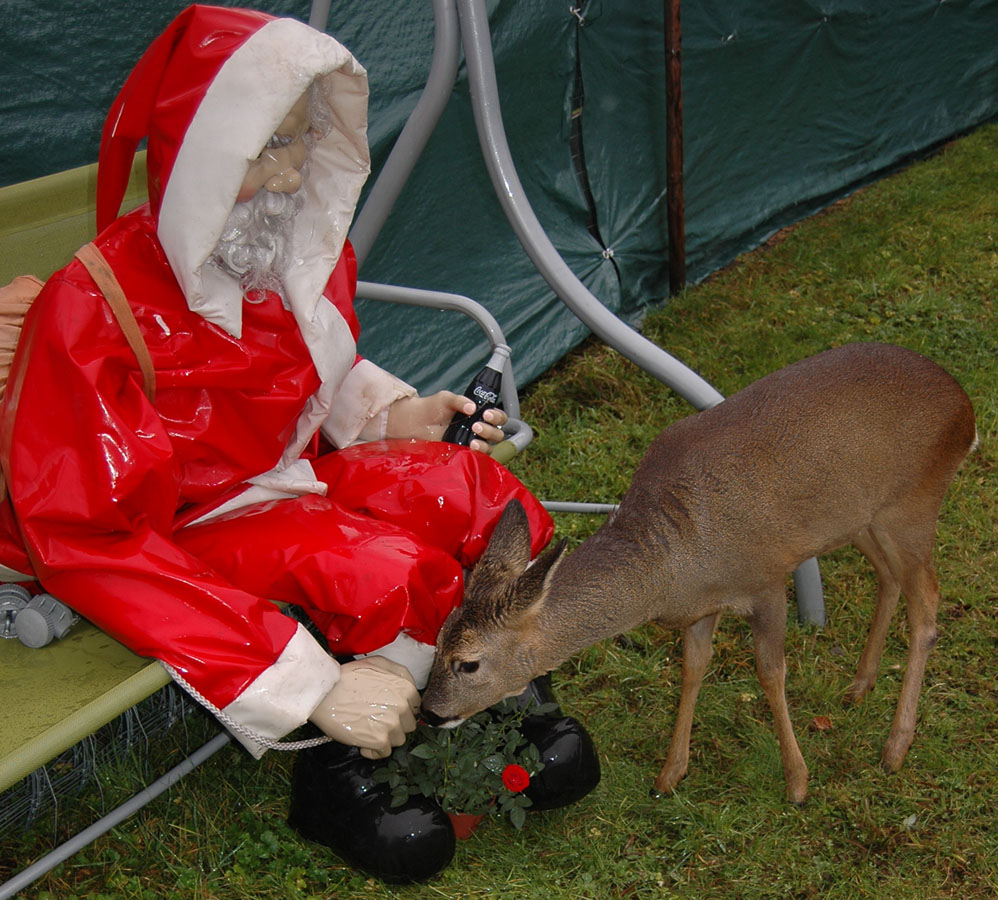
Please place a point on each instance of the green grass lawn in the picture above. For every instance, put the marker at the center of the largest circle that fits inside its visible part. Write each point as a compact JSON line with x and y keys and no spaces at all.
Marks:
{"x":911,"y":260}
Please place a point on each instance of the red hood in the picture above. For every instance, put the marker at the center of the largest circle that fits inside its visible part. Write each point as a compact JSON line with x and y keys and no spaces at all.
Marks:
{"x":208,"y":93}
{"x":161,"y":97}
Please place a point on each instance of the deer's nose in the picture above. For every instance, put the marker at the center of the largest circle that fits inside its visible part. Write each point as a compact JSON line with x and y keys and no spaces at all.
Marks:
{"x":431,"y":718}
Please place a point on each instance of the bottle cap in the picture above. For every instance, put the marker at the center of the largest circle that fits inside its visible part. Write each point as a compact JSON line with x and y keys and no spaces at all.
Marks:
{"x":500,"y":353}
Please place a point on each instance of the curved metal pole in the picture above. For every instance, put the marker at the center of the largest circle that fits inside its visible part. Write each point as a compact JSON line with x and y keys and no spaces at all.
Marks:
{"x":810,"y":598}
{"x":319,"y":15}
{"x":568,"y":506}
{"x":416,"y":132}
{"x":477,"y":43}
{"x":458,"y":303}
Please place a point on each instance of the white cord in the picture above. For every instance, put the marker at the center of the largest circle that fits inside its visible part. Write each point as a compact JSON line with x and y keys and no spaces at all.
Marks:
{"x":238,"y":727}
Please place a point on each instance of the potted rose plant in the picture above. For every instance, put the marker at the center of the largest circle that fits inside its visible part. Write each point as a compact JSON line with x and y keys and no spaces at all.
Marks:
{"x":481,"y":767}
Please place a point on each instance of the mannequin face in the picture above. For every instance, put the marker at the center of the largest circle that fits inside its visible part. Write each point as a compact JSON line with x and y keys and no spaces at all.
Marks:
{"x":278,"y":167}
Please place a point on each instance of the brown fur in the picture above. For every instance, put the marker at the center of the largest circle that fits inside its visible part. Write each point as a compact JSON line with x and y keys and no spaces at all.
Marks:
{"x":856,"y":445}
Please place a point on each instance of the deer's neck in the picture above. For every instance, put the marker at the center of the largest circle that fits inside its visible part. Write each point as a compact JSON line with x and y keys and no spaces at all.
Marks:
{"x":597,"y":592}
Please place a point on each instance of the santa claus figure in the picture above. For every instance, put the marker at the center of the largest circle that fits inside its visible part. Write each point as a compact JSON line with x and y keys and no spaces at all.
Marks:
{"x":269,"y":462}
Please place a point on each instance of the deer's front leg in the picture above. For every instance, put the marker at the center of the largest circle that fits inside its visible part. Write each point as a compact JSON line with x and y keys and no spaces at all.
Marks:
{"x":697,"y":650}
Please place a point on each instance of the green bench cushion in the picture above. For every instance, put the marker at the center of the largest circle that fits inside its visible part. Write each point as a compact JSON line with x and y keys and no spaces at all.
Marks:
{"x":56,"y":695}
{"x":44,"y":221}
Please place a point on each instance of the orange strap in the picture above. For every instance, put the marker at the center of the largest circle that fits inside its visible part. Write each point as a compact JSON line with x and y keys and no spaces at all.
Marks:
{"x":15,"y":299}
{"x":94,"y":262}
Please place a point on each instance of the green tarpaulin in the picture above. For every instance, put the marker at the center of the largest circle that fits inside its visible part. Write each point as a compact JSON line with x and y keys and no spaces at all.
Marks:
{"x":787,"y":106}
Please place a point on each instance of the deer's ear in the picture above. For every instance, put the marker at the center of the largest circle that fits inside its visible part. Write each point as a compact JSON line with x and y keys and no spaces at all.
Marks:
{"x":508,"y":552}
{"x":533,"y":586}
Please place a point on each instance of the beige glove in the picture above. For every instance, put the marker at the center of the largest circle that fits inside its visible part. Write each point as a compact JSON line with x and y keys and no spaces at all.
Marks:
{"x":426,"y":419}
{"x":373,"y":706}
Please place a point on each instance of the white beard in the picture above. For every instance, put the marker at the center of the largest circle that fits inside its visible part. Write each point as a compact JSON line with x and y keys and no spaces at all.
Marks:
{"x":256,"y":240}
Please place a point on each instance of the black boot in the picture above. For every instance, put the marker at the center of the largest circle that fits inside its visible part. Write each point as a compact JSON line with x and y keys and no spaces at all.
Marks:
{"x":335,"y":802}
{"x":571,"y":765}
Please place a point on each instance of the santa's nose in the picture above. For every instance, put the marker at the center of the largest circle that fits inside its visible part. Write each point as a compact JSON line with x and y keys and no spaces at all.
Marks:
{"x":285,"y":182}
{"x":278,"y":169}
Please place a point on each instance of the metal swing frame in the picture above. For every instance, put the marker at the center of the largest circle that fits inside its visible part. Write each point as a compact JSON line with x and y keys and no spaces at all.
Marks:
{"x":460,"y":25}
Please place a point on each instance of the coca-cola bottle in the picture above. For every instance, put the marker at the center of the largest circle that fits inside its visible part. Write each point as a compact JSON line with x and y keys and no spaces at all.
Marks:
{"x":485,"y":391}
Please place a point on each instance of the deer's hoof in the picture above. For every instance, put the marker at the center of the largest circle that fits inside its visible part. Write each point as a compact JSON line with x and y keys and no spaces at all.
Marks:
{"x":895,"y":750}
{"x":797,"y":789}
{"x":662,"y":787}
{"x":667,"y":779}
{"x":856,"y":694}
{"x":891,"y":763}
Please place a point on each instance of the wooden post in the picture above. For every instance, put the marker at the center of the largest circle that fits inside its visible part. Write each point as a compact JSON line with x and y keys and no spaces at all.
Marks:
{"x":674,"y":147}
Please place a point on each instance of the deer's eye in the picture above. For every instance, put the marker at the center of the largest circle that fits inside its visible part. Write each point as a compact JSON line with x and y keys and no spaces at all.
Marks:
{"x":466,"y":668}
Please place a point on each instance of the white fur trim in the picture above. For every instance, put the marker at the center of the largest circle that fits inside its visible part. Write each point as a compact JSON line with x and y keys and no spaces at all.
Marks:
{"x":278,"y":484}
{"x":363,"y":394}
{"x":376,"y":428}
{"x":295,"y":480}
{"x":416,"y":656}
{"x":312,"y":416}
{"x":283,"y":697}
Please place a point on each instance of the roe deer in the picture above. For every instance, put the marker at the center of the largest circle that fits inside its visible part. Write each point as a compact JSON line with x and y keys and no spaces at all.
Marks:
{"x":857,"y":444}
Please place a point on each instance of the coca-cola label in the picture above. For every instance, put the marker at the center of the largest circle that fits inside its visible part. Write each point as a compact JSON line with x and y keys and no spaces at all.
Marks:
{"x":484,"y":395}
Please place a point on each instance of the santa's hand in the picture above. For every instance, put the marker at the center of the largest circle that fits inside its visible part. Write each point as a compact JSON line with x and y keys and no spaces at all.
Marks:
{"x":427,"y":418}
{"x":373,"y":706}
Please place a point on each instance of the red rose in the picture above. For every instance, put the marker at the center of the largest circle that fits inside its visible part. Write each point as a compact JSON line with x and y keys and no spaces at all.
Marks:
{"x":515,"y":777}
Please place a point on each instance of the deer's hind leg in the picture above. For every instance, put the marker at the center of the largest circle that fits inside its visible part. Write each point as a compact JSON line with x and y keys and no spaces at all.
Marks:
{"x":697,"y":651}
{"x":908,"y":551}
{"x":888,"y":592}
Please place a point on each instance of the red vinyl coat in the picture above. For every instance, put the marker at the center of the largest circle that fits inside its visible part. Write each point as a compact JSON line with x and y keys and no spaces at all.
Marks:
{"x":108,"y":491}
{"x":100,"y":478}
